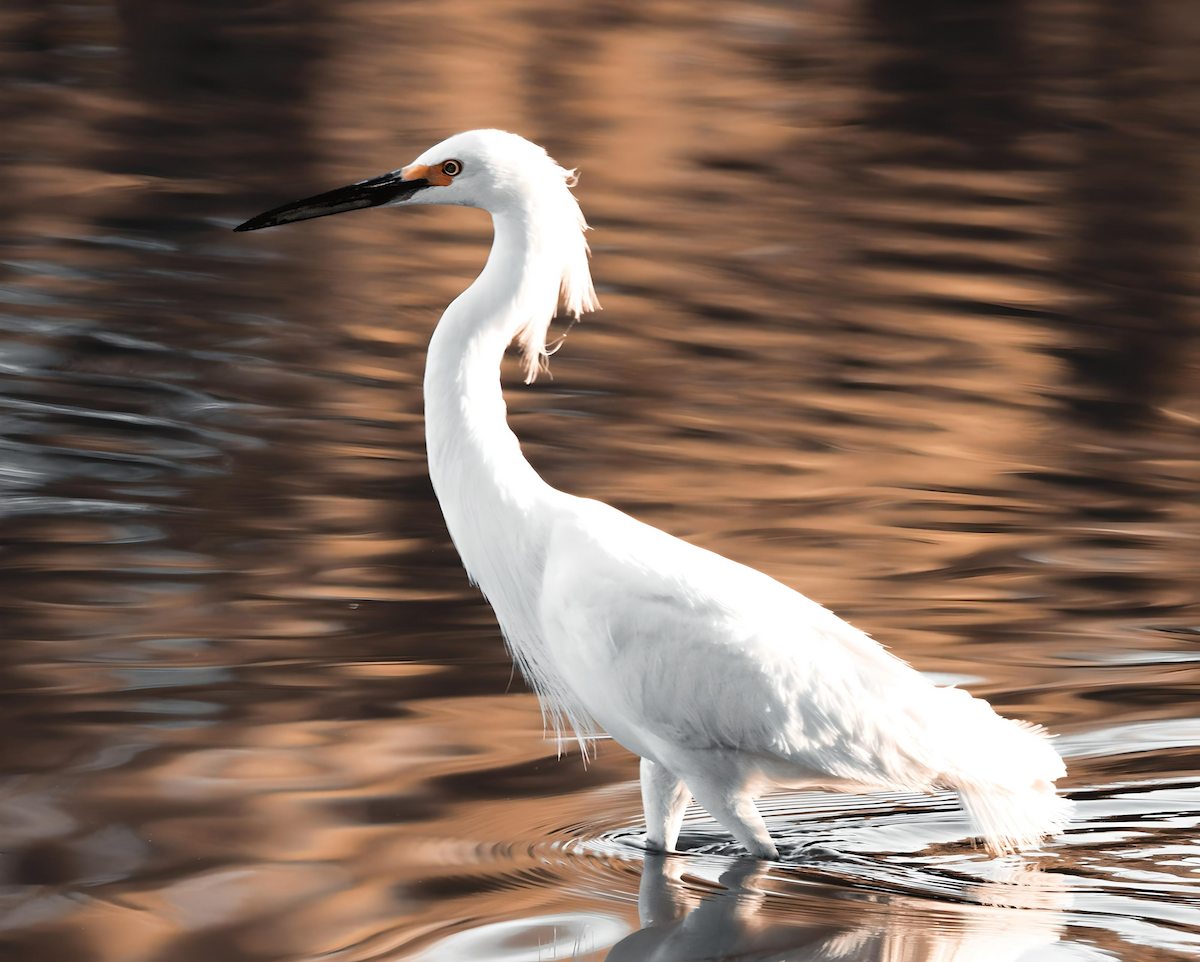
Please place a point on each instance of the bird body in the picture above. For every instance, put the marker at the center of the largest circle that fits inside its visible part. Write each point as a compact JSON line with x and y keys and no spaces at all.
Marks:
{"x":726,"y":682}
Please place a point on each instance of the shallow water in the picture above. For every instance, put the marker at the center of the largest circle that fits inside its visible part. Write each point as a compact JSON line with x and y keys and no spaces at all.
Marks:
{"x":900,"y":307}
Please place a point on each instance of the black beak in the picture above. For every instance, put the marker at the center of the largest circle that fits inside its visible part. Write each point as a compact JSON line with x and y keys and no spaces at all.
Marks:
{"x":366,"y":193}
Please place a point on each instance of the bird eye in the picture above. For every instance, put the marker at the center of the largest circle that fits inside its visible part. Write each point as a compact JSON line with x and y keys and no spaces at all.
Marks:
{"x":452,"y":167}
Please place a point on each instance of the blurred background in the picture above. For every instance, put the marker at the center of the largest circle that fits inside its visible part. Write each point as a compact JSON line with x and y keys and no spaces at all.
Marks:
{"x":900,"y":306}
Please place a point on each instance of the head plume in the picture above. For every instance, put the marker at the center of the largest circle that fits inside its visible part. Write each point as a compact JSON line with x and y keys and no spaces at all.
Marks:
{"x":557,"y":278}
{"x":561,"y":280}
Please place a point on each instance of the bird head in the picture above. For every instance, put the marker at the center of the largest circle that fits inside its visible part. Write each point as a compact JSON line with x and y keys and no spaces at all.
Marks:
{"x":507,"y":176}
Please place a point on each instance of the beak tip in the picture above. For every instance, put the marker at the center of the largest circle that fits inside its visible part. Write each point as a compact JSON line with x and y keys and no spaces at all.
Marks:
{"x":254,"y":223}
{"x":366,"y":193}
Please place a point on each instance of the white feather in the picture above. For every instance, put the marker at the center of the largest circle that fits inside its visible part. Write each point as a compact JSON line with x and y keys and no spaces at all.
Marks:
{"x":718,"y":676}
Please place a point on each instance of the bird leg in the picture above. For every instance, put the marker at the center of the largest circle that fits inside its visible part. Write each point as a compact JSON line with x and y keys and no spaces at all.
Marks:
{"x":736,"y":811}
{"x":664,"y":797}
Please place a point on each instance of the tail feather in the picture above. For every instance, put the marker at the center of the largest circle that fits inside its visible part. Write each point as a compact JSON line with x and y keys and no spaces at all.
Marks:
{"x":1013,"y":820}
{"x":1004,"y":772}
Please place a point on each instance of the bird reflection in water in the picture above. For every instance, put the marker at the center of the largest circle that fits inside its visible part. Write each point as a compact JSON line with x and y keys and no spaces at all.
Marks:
{"x":755,"y":916}
{"x":735,"y":923}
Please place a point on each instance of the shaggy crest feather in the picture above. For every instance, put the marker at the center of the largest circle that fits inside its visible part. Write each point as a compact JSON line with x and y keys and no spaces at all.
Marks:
{"x":566,"y":280}
{"x":557,"y":274}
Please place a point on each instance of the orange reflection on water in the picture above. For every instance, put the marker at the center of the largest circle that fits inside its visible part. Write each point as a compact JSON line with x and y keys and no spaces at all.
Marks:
{"x":898,"y":308}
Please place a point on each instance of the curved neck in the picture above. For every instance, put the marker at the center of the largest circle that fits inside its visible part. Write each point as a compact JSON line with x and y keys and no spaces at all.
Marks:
{"x":498,"y":510}
{"x":489,"y":493}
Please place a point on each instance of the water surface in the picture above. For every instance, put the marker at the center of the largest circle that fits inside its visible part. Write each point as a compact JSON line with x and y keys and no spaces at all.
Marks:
{"x":900,"y":307}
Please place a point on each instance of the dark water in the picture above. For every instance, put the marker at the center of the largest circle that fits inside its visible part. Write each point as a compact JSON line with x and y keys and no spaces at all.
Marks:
{"x":900,"y":306}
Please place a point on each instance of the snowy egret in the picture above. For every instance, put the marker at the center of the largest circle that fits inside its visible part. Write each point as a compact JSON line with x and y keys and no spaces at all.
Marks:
{"x":727,"y":683}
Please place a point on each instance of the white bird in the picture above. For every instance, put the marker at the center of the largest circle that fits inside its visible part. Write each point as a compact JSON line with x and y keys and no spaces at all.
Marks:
{"x":727,"y":683}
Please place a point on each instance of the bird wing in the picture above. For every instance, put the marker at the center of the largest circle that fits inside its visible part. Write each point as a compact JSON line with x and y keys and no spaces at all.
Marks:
{"x":703,"y":652}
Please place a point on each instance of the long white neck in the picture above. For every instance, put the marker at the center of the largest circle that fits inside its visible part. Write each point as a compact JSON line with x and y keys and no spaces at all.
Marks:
{"x":497,"y":508}
{"x":483,"y":482}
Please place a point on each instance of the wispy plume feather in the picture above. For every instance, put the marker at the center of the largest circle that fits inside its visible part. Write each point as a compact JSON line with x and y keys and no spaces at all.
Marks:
{"x":560,"y":279}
